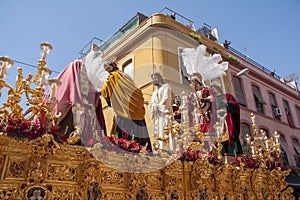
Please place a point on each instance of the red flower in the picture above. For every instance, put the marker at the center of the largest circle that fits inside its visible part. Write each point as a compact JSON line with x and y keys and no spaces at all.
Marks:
{"x":134,"y":147}
{"x":199,"y":154}
{"x":236,"y":161}
{"x":25,"y":125}
{"x":33,"y":135}
{"x":64,"y":137}
{"x":54,"y":130}
{"x":250,"y":162}
{"x":122,"y":144}
{"x":112,"y":139}
{"x":125,"y":134}
{"x":2,"y":127}
{"x":10,"y":129}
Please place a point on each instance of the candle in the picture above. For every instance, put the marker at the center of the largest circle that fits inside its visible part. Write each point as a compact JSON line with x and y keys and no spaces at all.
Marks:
{"x":252,"y":116}
{"x":276,"y":136}
{"x":248,"y":138}
{"x":196,"y":116}
{"x":252,"y":149}
{"x":266,"y":143}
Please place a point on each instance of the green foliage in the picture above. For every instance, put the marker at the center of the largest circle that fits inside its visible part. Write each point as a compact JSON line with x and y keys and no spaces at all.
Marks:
{"x":196,"y":36}
{"x":233,"y":59}
{"x":217,"y":50}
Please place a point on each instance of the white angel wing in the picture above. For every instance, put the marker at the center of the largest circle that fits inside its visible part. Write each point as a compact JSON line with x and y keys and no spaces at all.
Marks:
{"x":213,"y":68}
{"x":209,"y":67}
{"x":188,"y":58}
{"x":200,"y":55}
{"x":193,"y":58}
{"x":95,"y":70}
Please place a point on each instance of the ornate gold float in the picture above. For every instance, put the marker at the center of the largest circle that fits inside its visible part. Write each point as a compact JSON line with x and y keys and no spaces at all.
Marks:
{"x":62,"y":171}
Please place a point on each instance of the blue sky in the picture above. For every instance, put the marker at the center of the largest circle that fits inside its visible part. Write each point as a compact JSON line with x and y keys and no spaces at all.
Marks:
{"x":266,"y":31}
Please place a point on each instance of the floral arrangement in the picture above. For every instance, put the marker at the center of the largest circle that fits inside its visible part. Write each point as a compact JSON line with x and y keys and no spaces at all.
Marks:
{"x":114,"y":143}
{"x":273,"y":162}
{"x":193,"y":155}
{"x":24,"y":129}
{"x":249,"y":162}
{"x":245,"y":161}
{"x":190,"y":155}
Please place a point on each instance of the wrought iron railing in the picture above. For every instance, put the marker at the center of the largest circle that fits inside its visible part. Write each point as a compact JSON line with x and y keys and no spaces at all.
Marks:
{"x":241,"y":55}
{"x":178,"y":17}
{"x":86,"y":49}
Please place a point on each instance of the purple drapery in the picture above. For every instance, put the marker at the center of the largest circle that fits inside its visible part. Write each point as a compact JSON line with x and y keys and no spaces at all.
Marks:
{"x":69,"y":94}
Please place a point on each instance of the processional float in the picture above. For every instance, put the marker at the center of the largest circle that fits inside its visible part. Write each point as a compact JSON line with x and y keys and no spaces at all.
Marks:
{"x":33,"y":161}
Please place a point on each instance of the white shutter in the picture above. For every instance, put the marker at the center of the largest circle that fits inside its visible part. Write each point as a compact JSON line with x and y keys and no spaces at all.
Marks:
{"x":129,"y":70}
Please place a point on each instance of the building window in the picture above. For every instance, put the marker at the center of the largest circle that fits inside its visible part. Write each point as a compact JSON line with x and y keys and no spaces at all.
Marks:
{"x":297,"y":150}
{"x":298,"y":113}
{"x":128,"y":68}
{"x":258,"y":100}
{"x":245,"y":130}
{"x":288,"y":114}
{"x":284,"y":149}
{"x":275,"y":110}
{"x":239,"y":92}
{"x":182,"y":69}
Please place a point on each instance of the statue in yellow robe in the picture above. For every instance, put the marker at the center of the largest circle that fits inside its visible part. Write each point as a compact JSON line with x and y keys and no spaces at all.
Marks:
{"x":127,"y":101}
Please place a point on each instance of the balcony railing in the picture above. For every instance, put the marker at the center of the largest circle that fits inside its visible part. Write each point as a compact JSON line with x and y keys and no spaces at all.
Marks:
{"x":176,"y":16}
{"x":86,"y":49}
{"x":241,"y":55}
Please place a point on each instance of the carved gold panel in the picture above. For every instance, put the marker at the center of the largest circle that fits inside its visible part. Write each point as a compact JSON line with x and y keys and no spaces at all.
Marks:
{"x":61,"y":172}
{"x":17,"y":167}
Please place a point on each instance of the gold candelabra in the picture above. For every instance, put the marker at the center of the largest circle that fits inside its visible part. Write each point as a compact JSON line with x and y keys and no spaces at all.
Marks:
{"x":262,"y":147}
{"x":32,"y":88}
{"x":259,"y":175}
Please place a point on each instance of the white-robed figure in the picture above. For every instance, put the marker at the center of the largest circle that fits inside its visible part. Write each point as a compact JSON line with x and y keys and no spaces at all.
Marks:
{"x":160,"y":108}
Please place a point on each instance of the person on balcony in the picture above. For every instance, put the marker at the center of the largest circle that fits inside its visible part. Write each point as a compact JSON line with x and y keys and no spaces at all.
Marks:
{"x":127,"y":101}
{"x":161,"y":109}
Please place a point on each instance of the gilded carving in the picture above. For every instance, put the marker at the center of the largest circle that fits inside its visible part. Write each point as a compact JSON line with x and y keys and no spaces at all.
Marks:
{"x":84,"y":177}
{"x":276,"y":183}
{"x":16,"y":169}
{"x":2,"y":160}
{"x":61,"y":172}
{"x":242,"y":182}
{"x":114,"y":195}
{"x":112,"y":177}
{"x":156,"y":196}
{"x":94,"y":191}
{"x":90,"y":173}
{"x":142,"y":194}
{"x":154,"y":180}
{"x":136,"y":181}
{"x":224,"y":182}
{"x":10,"y":191}
{"x":259,"y":182}
{"x":68,"y":193}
